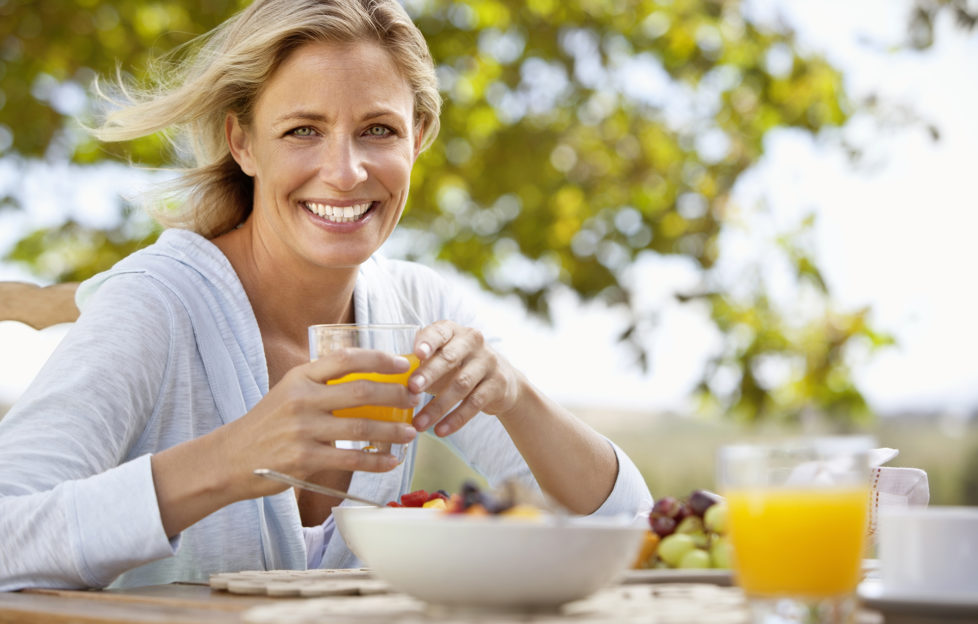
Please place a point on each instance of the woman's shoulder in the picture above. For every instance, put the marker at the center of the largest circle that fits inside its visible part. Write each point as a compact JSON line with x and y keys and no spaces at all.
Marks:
{"x":432,"y":293}
{"x":404,"y":270}
{"x":126,"y":298}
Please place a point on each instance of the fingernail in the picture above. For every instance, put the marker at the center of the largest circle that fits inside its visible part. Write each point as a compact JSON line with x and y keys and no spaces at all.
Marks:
{"x":415,"y":398}
{"x":442,"y":429}
{"x":409,"y":432}
{"x":402,"y":361}
{"x":421,"y":423}
{"x":425,"y":349}
{"x":417,"y":383}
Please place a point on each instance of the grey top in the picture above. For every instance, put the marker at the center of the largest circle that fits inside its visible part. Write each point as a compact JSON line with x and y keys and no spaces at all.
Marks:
{"x":167,"y":349}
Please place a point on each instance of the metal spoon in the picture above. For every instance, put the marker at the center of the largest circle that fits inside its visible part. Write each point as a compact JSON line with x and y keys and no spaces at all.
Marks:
{"x":313,"y":487}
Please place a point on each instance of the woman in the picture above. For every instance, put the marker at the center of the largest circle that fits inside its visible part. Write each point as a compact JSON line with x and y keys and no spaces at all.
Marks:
{"x":130,"y":459}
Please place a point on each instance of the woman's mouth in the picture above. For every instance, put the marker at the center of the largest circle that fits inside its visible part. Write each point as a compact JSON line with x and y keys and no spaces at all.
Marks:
{"x":338,"y":214}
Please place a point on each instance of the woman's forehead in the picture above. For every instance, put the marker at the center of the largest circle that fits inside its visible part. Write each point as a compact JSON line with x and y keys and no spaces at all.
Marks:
{"x":325,"y":71}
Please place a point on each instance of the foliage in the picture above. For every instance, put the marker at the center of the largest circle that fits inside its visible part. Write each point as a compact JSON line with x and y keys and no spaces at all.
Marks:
{"x":925,"y":14}
{"x":576,"y":137}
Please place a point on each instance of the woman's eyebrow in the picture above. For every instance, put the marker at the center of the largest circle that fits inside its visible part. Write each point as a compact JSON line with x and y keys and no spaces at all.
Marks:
{"x":301,"y":115}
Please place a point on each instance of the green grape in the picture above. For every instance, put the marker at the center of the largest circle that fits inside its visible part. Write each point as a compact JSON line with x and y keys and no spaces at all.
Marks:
{"x":690,"y":524}
{"x":715,"y":518}
{"x":674,"y":547}
{"x":695,"y":558}
{"x":720,"y":552}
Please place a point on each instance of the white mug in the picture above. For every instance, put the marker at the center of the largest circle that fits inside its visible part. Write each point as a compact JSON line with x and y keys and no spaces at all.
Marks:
{"x":929,"y":551}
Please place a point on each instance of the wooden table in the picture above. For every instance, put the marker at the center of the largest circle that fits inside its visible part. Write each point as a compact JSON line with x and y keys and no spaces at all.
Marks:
{"x":184,"y":603}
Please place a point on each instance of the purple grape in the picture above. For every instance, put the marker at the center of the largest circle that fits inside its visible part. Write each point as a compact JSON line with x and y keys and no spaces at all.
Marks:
{"x":701,"y":500}
{"x":662,"y":525}
{"x":667,"y":506}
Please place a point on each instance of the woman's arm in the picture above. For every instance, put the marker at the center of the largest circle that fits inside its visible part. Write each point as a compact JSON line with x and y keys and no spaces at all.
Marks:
{"x":570,"y":461}
{"x":77,"y":505}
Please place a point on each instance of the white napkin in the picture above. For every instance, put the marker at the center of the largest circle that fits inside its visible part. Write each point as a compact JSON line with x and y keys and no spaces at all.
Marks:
{"x":890,"y":486}
{"x":894,"y":486}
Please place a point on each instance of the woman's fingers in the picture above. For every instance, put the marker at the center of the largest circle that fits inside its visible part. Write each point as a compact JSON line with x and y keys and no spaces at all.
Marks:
{"x":442,"y":348}
{"x":463,"y":373}
{"x":362,"y":392}
{"x":468,"y":389}
{"x":330,"y":428}
{"x":342,"y":362}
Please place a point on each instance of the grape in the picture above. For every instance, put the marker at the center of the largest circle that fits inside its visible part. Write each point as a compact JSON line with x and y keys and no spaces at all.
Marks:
{"x":720,"y":552}
{"x":668,"y":506}
{"x":715,"y":518}
{"x":695,"y":558}
{"x":690,"y":524}
{"x":674,"y":547}
{"x":701,"y":500}
{"x":662,"y":525}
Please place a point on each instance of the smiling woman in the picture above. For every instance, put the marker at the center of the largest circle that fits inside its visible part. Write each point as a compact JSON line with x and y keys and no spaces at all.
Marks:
{"x":189,"y":368}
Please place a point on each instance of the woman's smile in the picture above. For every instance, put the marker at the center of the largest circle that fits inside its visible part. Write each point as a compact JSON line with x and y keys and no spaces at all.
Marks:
{"x":338,"y":213}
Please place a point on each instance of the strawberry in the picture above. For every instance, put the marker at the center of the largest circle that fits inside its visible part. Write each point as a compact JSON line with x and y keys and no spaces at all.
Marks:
{"x":416,"y":498}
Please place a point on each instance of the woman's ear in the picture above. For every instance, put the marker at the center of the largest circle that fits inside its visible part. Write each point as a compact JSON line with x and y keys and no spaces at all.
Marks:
{"x":418,"y":140}
{"x":240,"y":144}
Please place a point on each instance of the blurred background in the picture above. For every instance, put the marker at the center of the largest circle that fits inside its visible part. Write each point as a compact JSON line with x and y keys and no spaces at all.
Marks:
{"x":690,"y":220}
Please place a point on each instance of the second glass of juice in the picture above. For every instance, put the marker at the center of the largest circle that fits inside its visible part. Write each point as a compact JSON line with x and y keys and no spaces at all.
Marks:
{"x":798,"y":512}
{"x":391,"y":338}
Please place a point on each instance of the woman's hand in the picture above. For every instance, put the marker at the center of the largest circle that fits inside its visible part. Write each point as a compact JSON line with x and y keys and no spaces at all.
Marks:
{"x":459,"y":368}
{"x":292,"y":428}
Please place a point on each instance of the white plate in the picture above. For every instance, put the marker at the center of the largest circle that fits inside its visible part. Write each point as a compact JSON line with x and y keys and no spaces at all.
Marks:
{"x":723,"y":578}
{"x":874,"y":596}
{"x":708,"y":576}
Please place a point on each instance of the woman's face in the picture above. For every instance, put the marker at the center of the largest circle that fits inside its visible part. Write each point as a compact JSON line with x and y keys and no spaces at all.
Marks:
{"x":330,"y":147}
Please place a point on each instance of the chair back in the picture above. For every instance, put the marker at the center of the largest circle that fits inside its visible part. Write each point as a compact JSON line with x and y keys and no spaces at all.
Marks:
{"x":38,"y":306}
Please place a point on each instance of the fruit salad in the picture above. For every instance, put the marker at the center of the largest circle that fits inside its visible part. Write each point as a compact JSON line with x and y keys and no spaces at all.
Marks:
{"x":686,"y":533}
{"x":472,"y":500}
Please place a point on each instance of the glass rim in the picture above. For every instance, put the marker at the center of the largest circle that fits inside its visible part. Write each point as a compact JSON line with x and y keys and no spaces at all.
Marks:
{"x":830,"y":443}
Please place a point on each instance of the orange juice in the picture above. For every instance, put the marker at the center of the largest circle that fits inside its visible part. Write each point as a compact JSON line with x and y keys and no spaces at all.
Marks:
{"x":798,"y":541}
{"x":379,"y":412}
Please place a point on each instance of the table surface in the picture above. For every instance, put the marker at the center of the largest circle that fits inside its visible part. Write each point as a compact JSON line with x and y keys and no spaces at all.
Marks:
{"x":184,"y":603}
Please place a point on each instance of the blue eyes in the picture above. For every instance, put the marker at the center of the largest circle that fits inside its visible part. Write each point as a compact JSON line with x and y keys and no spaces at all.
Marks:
{"x":372,"y":131}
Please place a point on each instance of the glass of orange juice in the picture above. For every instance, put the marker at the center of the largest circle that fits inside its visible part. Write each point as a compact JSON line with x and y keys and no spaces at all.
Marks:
{"x":391,"y":338}
{"x":797,"y":516}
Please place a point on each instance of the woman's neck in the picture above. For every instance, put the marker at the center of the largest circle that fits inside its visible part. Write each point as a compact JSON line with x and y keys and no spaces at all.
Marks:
{"x":286,"y":295}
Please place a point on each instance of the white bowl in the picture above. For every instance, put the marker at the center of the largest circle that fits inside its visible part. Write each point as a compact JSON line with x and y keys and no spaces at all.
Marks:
{"x":490,"y":561}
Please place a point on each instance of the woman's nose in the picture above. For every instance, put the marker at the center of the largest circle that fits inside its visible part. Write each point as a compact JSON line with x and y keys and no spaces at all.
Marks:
{"x":342,"y":164}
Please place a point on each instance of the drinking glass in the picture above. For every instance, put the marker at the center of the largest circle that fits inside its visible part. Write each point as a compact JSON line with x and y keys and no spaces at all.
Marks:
{"x":391,"y":338}
{"x":798,"y":512}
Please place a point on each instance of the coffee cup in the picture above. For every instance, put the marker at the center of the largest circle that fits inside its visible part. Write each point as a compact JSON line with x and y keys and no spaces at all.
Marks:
{"x":929,"y":551}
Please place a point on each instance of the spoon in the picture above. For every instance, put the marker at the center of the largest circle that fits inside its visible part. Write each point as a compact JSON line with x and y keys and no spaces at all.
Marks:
{"x":313,"y":487}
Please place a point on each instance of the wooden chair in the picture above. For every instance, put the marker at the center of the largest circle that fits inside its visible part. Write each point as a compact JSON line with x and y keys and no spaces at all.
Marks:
{"x":38,"y":306}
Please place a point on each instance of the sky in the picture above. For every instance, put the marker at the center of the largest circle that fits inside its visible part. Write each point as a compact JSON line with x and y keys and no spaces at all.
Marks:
{"x":893,"y":231}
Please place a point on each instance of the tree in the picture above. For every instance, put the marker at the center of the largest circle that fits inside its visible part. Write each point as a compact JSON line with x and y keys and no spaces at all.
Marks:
{"x":577,"y":137}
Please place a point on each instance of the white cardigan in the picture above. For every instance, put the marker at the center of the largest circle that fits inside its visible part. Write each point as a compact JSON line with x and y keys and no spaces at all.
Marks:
{"x":166,"y":349}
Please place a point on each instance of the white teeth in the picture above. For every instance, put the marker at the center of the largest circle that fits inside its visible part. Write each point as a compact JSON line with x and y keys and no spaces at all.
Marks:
{"x":338,"y":214}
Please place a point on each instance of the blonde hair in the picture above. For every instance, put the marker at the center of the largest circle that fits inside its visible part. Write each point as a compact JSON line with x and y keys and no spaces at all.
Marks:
{"x":225,"y":72}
